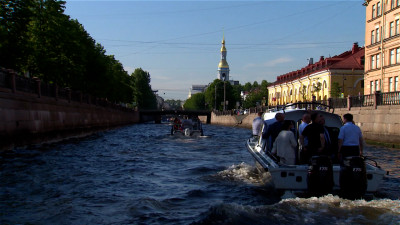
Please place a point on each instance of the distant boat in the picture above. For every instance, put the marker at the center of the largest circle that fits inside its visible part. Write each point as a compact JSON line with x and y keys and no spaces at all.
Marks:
{"x":354,"y":178}
{"x":187,"y":127}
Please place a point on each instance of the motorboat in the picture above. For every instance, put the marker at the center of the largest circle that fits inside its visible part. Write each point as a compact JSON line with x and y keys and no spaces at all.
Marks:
{"x":353,"y":177}
{"x":187,"y":127}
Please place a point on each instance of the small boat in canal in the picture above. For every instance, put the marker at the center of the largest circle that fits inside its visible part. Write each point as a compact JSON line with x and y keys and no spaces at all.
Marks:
{"x":187,"y":127}
{"x":353,"y":177}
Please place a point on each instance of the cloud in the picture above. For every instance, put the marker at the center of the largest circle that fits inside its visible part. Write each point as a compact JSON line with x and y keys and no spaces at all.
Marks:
{"x":271,"y":63}
{"x":157,"y":77}
{"x":277,"y":61}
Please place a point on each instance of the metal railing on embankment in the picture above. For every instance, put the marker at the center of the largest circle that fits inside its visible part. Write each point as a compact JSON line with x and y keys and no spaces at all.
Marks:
{"x":10,"y":81}
{"x":376,"y":99}
{"x":373,"y":100}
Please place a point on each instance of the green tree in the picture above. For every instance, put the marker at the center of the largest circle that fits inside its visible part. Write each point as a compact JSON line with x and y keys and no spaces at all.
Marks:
{"x":316,"y":88}
{"x":303,"y":92}
{"x":247,"y":86}
{"x":143,"y":95}
{"x":15,"y":17}
{"x":257,"y":96}
{"x":195,"y":102}
{"x":37,"y":37}
{"x":335,"y":90}
{"x":174,"y":104}
{"x":255,"y":84}
{"x":217,"y":87}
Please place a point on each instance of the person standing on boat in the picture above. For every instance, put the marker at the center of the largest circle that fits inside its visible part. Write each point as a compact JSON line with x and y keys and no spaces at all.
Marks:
{"x":257,"y":124}
{"x":273,"y":130}
{"x":315,"y":134}
{"x":351,"y":142}
{"x":305,"y":120}
{"x":285,"y":144}
{"x":329,"y":149}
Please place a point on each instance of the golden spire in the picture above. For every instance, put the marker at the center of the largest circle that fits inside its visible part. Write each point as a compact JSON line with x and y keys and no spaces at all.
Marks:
{"x":223,"y":63}
{"x":223,"y":49}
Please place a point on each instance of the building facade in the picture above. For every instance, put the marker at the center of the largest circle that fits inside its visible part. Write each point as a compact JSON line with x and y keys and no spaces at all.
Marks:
{"x":382,"y":46}
{"x":340,"y":75}
{"x":197,"y":88}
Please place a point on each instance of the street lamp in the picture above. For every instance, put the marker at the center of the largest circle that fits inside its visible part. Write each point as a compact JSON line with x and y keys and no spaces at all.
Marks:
{"x":343,"y":79}
{"x":223,"y":78}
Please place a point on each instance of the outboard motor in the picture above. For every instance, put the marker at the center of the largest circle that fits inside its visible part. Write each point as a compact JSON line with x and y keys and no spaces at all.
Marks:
{"x":353,"y":177}
{"x":188,"y":132}
{"x":320,"y":175}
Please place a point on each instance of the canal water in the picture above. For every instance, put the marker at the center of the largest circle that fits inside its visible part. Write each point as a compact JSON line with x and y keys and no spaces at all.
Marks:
{"x":141,"y":175}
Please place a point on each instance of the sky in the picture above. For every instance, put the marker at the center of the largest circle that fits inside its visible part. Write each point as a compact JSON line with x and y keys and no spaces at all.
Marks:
{"x":179,"y":42}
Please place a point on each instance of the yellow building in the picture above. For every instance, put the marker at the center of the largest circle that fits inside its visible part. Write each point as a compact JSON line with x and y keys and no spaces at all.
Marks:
{"x":382,"y":46}
{"x":317,"y":81}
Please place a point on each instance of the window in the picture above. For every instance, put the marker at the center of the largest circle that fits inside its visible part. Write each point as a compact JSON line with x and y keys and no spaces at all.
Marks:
{"x":390,"y":84}
{"x":397,"y":55}
{"x":372,"y":87}
{"x":378,"y":9}
{"x":376,"y":85}
{"x":396,"y":82}
{"x":392,"y":57}
{"x":373,"y":11}
{"x":396,"y":27}
{"x":392,"y":4}
{"x":372,"y":62}
{"x":398,"y":2}
{"x":372,"y":37}
{"x":378,"y":65}
{"x":391,"y":31}
{"x":377,"y":35}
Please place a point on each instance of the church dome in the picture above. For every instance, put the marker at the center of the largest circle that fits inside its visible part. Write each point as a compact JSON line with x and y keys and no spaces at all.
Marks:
{"x":223,"y":63}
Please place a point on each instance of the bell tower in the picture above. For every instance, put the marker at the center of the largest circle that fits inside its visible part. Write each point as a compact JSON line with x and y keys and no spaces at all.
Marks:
{"x":223,"y":67}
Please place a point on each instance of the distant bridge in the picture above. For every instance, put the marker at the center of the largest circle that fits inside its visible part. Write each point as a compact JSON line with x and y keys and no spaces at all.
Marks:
{"x":155,"y":115}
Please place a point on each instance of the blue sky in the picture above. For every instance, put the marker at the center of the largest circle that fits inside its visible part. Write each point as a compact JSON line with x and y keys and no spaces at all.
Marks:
{"x":179,"y":42}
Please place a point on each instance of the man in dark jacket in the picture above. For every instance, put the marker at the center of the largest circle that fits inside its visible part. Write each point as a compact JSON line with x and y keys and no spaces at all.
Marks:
{"x":273,"y":130}
{"x":315,"y":133}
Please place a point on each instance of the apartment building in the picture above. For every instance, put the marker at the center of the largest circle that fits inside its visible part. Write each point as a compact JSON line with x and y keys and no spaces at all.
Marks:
{"x":341,"y":74}
{"x":382,"y":46}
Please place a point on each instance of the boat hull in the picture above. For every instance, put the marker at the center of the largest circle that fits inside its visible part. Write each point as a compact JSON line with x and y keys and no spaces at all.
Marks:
{"x":294,"y":177}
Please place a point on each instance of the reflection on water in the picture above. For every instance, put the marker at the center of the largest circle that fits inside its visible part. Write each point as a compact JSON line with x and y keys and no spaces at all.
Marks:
{"x":142,"y":175}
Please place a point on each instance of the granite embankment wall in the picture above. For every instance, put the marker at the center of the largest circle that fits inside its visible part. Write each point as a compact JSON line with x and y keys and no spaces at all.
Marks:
{"x":26,"y":118}
{"x":379,"y":125}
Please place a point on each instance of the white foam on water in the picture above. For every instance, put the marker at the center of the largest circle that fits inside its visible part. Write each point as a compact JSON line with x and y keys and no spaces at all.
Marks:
{"x":246,"y":173}
{"x":342,"y":211}
{"x":392,"y":205}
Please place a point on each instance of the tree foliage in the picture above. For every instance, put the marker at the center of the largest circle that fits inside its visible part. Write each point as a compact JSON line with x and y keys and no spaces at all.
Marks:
{"x":143,"y":95}
{"x":336,"y":90}
{"x":37,"y":38}
{"x":257,"y":96}
{"x":173,"y":104}
{"x":195,"y":102}
{"x":214,"y":95}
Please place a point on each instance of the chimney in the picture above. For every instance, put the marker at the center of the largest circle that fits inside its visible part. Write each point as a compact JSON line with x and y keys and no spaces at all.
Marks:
{"x":310,"y":61}
{"x":355,"y":47}
{"x":321,"y":58}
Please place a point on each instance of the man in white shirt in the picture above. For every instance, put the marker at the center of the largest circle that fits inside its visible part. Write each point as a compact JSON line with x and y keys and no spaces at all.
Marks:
{"x":351,"y":142}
